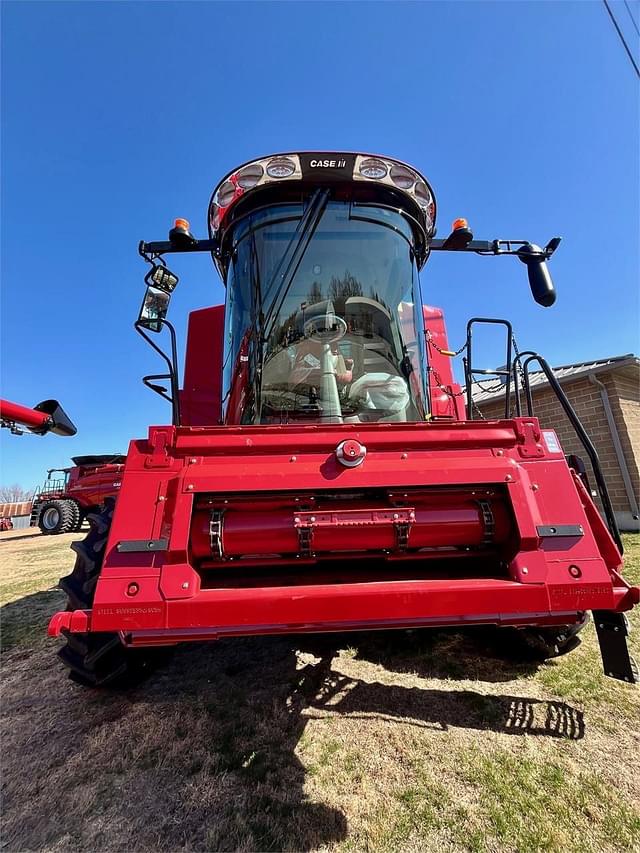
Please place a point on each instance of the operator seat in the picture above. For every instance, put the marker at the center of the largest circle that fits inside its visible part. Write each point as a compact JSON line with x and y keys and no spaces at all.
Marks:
{"x":386,"y":392}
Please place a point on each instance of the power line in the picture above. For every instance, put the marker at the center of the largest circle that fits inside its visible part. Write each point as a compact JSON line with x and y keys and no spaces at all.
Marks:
{"x":622,"y":39}
{"x":635,"y":26}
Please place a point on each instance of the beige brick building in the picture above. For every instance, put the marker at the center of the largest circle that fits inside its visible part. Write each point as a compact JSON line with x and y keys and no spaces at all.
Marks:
{"x":606,"y":397}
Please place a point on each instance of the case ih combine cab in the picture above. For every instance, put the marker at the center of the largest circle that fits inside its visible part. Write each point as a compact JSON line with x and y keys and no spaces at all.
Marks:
{"x":62,"y":504}
{"x":323,"y":471}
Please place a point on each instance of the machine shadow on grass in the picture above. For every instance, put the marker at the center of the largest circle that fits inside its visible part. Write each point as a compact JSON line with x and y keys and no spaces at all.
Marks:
{"x":255,"y":698}
{"x":24,"y":621}
{"x":214,"y":733}
{"x":439,"y":654}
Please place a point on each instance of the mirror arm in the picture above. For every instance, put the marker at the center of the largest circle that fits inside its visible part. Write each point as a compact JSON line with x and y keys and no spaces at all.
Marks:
{"x":481,"y":247}
{"x":163,"y":247}
{"x":496,"y":247}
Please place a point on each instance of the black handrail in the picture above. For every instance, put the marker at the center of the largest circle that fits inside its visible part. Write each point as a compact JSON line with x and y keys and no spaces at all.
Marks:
{"x":519,"y":367}
{"x":581,"y":433}
{"x":469,"y":370}
{"x":172,"y":362}
{"x":157,"y":389}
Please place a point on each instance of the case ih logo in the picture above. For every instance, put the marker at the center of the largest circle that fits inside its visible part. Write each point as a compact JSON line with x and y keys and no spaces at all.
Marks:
{"x":331,"y":166}
{"x":327,"y":164}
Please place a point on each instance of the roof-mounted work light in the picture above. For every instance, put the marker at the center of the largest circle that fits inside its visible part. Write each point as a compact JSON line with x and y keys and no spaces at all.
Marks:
{"x":162,"y":278}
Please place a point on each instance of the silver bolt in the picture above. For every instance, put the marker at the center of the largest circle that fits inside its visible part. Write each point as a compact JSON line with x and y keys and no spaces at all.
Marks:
{"x":313,"y":518}
{"x":193,"y":460}
{"x":296,"y":520}
{"x":534,"y":487}
{"x":508,"y":478}
{"x":190,"y":487}
{"x":185,"y":585}
{"x":525,"y":570}
{"x":161,"y":498}
{"x":395,"y":515}
{"x":293,"y":459}
{"x":403,"y":456}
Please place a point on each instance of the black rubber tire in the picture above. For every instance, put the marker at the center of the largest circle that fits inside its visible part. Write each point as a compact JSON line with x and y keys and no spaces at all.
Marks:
{"x":58,"y":516}
{"x":544,"y":643}
{"x":77,"y":515}
{"x":81,"y":517}
{"x":98,"y":659}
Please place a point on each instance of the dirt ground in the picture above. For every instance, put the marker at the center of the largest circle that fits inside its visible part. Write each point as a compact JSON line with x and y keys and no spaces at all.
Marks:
{"x":403,"y":741}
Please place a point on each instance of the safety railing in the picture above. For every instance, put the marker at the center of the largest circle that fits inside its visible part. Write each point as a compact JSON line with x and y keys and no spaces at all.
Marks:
{"x":516,"y":373}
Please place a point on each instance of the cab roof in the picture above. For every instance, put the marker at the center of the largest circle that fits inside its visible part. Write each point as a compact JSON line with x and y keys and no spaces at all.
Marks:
{"x":289,"y":173}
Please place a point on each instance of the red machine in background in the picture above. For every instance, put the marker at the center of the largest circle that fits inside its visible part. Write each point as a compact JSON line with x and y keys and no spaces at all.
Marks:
{"x":321,"y":471}
{"x":61,"y":504}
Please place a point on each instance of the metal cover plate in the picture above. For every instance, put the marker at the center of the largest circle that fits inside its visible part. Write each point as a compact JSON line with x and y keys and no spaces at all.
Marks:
{"x":551,"y":530}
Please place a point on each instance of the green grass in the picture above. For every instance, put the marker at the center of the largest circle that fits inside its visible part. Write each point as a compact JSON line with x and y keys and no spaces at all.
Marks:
{"x":528,"y":805}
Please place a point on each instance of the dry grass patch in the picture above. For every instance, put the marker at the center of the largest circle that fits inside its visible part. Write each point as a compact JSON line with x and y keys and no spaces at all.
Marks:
{"x":30,"y":566}
{"x":410,"y":741}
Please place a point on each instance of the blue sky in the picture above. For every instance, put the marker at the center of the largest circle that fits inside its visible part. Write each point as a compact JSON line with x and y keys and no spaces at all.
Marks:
{"x":118,"y":117}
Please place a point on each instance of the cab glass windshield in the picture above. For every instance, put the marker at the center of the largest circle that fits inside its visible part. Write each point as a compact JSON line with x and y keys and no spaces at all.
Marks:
{"x":322,"y":319}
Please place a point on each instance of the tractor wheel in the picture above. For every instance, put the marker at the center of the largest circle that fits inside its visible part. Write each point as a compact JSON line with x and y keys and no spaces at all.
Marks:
{"x":59,"y":516}
{"x":544,"y":643}
{"x":80,"y":522}
{"x":77,"y":516}
{"x":97,"y":659}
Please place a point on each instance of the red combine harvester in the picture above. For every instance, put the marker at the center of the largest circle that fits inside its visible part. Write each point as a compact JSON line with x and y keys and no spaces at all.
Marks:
{"x":61,"y":504}
{"x":321,"y":471}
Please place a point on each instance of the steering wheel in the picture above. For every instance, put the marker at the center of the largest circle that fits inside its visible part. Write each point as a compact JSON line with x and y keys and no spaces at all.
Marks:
{"x":325,"y":329}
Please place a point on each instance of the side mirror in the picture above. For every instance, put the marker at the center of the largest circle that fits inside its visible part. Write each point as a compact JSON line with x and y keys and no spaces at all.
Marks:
{"x":161,"y":283}
{"x":154,"y":309}
{"x":542,"y":288}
